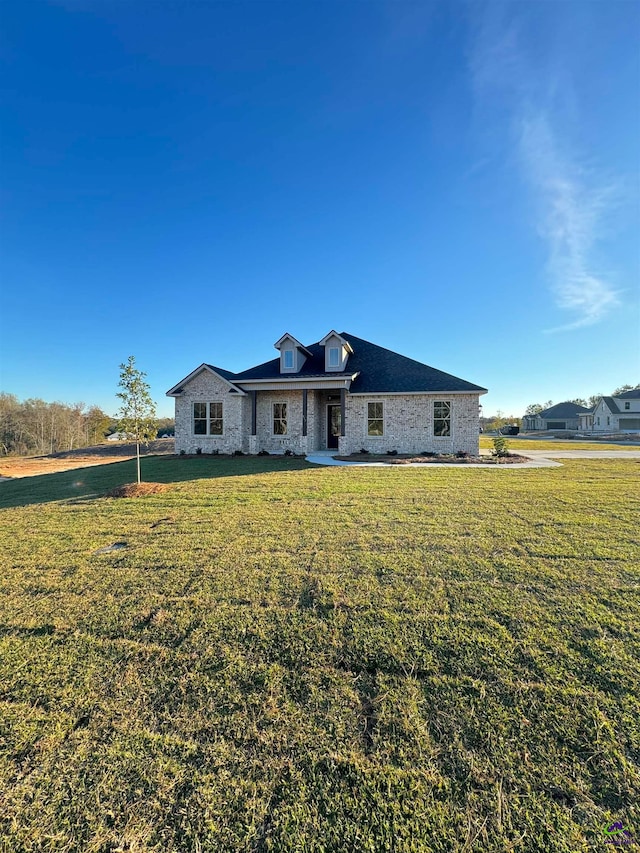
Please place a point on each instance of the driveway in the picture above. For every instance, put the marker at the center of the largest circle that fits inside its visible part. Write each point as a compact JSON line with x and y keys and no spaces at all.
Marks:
{"x":582,"y":454}
{"x":537,"y":459}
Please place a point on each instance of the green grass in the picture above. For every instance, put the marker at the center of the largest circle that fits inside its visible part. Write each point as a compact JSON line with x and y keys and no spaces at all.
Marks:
{"x":515,"y":443}
{"x":287,"y":658}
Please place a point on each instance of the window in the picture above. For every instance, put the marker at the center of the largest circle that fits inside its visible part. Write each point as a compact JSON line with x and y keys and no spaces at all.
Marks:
{"x":627,"y":406}
{"x":608,"y":421}
{"x":207,"y":419}
{"x":334,"y":357}
{"x":288,"y":359}
{"x":441,"y":418}
{"x":375,"y":419}
{"x":279,"y":418}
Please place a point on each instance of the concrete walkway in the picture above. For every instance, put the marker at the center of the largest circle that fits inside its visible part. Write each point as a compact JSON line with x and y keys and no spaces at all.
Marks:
{"x":581,"y":454}
{"x":323,"y":457}
{"x":537,"y":459}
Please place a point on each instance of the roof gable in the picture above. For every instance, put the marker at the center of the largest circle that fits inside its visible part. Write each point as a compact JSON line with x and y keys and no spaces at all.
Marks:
{"x":342,"y":340}
{"x":294,"y":341}
{"x":225,"y":375}
{"x":611,"y":404}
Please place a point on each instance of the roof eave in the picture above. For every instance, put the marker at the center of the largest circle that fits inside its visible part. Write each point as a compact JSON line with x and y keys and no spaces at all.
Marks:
{"x":297,"y":377}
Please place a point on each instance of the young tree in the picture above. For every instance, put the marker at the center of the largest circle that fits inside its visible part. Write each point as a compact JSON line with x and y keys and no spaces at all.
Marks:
{"x":137,"y":414}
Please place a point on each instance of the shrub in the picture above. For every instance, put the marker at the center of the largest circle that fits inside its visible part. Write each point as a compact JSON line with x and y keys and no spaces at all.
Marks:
{"x":364,"y":451}
{"x":183,"y":452}
{"x":198,"y":451}
{"x":500,"y":446}
{"x":263,"y":453}
{"x":392,"y":452}
{"x":429,"y":453}
{"x":288,"y":452}
{"x":462,"y":454}
{"x":238,"y":453}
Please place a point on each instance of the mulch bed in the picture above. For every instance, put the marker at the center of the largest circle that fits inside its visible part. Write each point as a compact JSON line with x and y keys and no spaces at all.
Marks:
{"x":137,"y":490}
{"x":444,"y":458}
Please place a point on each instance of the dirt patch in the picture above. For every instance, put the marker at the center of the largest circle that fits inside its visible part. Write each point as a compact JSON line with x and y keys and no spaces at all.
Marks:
{"x":137,"y":490}
{"x":85,"y":457}
{"x":440,"y":459}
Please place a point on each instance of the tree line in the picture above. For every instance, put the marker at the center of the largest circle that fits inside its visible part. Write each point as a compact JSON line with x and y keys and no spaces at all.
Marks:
{"x":35,"y":427}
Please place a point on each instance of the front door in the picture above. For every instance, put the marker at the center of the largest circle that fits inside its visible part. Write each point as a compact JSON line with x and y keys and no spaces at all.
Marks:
{"x":333,"y":426}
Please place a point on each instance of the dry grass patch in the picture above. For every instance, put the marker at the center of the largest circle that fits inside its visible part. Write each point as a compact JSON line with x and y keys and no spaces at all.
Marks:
{"x":138,"y":490}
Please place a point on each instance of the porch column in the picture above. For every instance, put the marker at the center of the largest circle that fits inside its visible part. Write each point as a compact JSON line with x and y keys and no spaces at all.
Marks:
{"x":343,"y":397}
{"x":254,"y":395}
{"x":304,"y":412}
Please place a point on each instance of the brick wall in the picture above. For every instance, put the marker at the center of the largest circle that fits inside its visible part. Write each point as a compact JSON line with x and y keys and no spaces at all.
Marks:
{"x":293,"y":440}
{"x":207,"y":388}
{"x":408,"y":424}
{"x":408,"y":421}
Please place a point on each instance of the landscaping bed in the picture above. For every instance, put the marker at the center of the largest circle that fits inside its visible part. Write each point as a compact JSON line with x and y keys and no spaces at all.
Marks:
{"x":439,"y":458}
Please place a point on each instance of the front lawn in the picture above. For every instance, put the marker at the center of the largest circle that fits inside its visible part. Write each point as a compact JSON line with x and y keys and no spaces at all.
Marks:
{"x":278,"y":657}
{"x":515,"y":443}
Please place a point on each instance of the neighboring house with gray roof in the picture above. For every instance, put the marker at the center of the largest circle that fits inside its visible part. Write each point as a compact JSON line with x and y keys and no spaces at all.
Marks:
{"x":616,"y":414}
{"x":561,"y":416}
{"x":342,"y":393}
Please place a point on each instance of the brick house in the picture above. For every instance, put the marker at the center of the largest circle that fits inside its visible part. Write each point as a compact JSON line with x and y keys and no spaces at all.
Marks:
{"x":342,"y":393}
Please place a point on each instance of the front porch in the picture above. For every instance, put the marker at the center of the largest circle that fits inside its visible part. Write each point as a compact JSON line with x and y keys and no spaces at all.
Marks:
{"x":314,"y":420}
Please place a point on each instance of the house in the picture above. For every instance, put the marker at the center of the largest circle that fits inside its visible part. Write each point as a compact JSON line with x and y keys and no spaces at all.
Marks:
{"x":615,"y":414}
{"x":119,"y":436}
{"x":342,"y":393}
{"x":561,"y":416}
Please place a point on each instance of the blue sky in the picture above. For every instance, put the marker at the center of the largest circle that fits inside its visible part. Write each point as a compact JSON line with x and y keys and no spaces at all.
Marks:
{"x":185,"y":182}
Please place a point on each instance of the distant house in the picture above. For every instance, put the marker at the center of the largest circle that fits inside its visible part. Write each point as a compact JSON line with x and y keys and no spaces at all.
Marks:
{"x":119,"y":436}
{"x":342,"y":393}
{"x":615,"y":414}
{"x":561,"y":416}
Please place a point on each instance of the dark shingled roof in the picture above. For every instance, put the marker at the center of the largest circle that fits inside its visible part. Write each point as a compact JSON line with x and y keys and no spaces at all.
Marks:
{"x":634,"y":394}
{"x":226,"y":374}
{"x":611,"y":403}
{"x":564,"y":410}
{"x":380,"y":370}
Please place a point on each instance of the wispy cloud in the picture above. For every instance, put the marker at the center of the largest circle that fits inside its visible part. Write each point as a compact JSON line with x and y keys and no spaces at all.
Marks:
{"x":571,"y":201}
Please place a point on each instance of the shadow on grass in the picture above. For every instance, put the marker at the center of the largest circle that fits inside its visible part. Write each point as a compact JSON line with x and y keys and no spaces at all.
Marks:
{"x":84,"y":483}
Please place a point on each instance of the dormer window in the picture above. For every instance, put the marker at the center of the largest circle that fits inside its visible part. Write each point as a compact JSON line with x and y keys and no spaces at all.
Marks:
{"x":336,"y":352}
{"x":292,"y":354}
